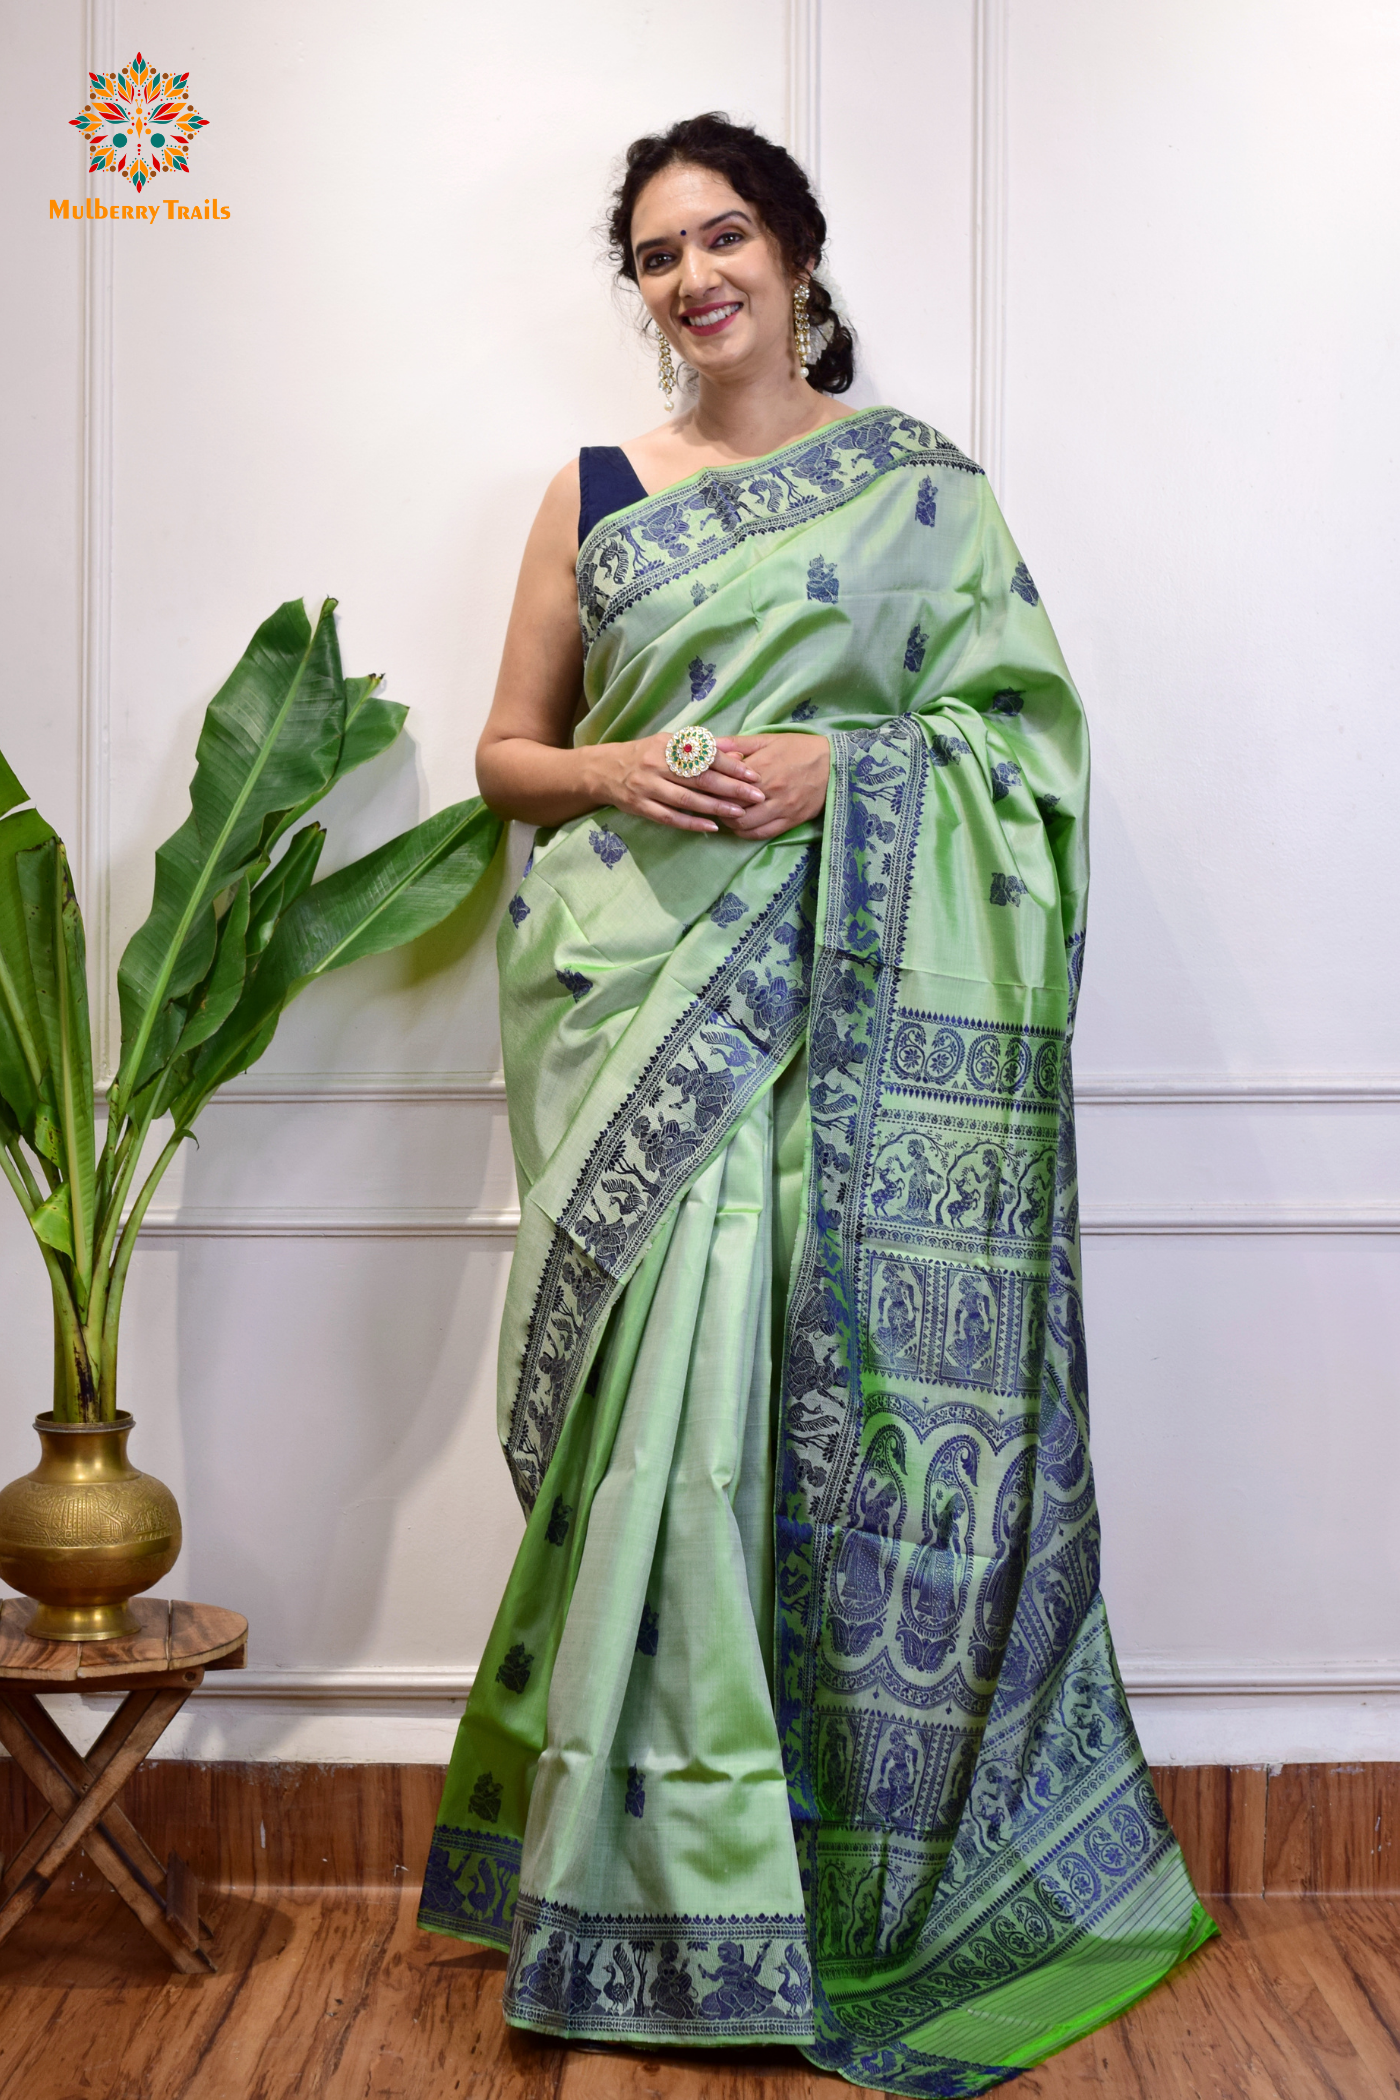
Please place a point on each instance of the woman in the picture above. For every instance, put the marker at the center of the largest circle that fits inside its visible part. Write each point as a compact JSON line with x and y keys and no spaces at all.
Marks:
{"x":799,"y":1720}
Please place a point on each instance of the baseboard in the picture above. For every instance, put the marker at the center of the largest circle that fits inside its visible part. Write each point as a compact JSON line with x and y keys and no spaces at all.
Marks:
{"x":1292,"y":1830}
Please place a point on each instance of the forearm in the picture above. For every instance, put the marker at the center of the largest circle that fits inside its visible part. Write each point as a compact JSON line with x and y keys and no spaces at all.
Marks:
{"x":540,"y":784}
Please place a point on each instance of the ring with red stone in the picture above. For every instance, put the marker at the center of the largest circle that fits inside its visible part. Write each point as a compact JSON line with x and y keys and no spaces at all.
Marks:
{"x":690,"y":752}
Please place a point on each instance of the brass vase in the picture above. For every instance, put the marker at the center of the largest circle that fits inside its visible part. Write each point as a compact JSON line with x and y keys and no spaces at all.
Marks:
{"x":85,"y":1532}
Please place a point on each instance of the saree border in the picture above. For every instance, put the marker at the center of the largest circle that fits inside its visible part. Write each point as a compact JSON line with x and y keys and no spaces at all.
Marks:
{"x":762,"y":1984}
{"x":634,"y":552}
{"x":737,"y":1033}
{"x":1057,"y":1776}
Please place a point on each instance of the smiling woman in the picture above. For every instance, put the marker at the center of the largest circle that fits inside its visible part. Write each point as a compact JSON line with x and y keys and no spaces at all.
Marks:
{"x":799,"y":1721}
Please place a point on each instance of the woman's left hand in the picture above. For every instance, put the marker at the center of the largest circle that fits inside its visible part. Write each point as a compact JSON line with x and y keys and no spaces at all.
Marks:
{"x":791,"y":769}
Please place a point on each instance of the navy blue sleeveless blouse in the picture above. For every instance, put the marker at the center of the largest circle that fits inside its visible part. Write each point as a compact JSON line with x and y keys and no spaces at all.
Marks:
{"x":607,"y":481}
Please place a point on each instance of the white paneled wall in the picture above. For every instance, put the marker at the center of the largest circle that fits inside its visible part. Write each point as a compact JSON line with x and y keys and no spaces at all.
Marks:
{"x":1138,"y":260}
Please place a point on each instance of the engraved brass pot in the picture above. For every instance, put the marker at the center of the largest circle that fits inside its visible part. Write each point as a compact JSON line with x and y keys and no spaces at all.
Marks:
{"x":85,"y":1532}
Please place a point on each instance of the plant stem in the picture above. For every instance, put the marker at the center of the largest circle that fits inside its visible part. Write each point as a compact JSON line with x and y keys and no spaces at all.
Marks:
{"x":74,"y":1386}
{"x":126,"y":1161}
{"x":20,"y":1179}
{"x":115,"y":1278}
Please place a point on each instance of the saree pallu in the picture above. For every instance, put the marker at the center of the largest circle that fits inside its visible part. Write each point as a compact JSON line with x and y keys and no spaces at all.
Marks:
{"x":800,"y":1719}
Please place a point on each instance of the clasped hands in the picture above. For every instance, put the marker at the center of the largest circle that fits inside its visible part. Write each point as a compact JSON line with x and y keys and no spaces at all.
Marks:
{"x":757,"y":786}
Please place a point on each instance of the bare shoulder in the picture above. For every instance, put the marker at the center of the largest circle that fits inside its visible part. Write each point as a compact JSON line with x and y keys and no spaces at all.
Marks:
{"x":555,"y":530}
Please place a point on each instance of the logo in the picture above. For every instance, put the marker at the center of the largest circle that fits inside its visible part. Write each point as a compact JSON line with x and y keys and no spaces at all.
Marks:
{"x":138,"y":123}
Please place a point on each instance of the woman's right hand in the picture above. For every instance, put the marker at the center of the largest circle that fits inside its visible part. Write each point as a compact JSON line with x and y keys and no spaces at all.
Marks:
{"x":635,"y":777}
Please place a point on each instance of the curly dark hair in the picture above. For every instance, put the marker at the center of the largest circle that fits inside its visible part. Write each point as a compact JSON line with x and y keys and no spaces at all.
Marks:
{"x":765,"y":176}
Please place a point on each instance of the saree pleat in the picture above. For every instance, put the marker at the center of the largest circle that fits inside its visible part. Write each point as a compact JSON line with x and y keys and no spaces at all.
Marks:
{"x":800,"y":1719}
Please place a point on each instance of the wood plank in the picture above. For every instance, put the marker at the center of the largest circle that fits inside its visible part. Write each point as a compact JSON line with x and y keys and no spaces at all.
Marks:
{"x":1219,"y":1814}
{"x":1332,"y":1829}
{"x":147,"y":1649}
{"x":204,"y":1633}
{"x":19,"y":1656}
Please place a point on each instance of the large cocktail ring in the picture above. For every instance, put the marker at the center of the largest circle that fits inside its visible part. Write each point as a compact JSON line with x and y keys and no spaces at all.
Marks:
{"x":690,"y":752}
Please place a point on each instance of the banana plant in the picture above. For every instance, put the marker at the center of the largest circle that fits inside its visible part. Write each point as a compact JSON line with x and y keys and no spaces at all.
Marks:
{"x":238,"y":927}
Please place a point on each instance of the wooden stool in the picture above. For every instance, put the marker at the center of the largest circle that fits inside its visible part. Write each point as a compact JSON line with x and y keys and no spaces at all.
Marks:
{"x":157,"y":1669}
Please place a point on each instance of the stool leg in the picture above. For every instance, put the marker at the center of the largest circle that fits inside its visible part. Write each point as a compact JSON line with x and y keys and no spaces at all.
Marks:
{"x":78,"y":1771}
{"x":127,"y":1744}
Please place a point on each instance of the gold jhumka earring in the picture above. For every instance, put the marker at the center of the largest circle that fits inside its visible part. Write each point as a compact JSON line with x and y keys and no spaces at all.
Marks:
{"x":801,"y":326}
{"x":666,"y":372}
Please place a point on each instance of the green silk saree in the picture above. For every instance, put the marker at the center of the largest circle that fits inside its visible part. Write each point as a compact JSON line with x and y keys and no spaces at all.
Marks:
{"x":800,"y":1720}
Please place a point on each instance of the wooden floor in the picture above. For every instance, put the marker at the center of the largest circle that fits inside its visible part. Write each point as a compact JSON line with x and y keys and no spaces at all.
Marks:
{"x":321,"y":1993}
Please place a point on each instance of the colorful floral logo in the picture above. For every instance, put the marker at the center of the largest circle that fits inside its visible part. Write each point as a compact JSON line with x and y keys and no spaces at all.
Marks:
{"x":138,"y":122}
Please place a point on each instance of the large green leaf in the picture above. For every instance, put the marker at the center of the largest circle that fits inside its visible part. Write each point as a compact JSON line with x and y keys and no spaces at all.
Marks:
{"x":377,"y":903}
{"x":371,"y":725}
{"x":272,"y":738}
{"x":54,"y":931}
{"x":23,"y":1055}
{"x":53,"y":1220}
{"x":282,"y":885}
{"x":212,"y":1002}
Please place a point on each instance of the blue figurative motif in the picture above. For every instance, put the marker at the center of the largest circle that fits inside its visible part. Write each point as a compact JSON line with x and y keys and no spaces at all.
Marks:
{"x":804,"y":711}
{"x":702,"y":679}
{"x":1007,"y":889}
{"x":574,"y":983}
{"x":518,"y":909}
{"x":635,"y":1801}
{"x":822,"y":580}
{"x":609,"y":848}
{"x":514,"y":1672}
{"x":1023,"y":585}
{"x":486,"y":1798}
{"x":926,"y":508}
{"x":914,"y":648}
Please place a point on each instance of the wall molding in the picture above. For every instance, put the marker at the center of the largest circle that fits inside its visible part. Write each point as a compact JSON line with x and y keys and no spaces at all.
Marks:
{"x":1240,"y":1221}
{"x":1148,"y":1677}
{"x":1145,"y":1677}
{"x":440,"y":1222}
{"x":95,"y":644}
{"x":1106,"y":1090}
{"x":804,"y":85}
{"x":1204,"y":1089}
{"x":989,"y":213}
{"x":287,"y":1222}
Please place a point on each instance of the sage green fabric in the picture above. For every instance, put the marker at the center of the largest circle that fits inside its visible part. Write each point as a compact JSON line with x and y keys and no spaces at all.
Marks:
{"x":800,"y":1720}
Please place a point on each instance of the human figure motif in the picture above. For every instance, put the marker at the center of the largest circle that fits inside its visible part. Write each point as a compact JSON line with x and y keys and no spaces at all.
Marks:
{"x":971,"y":1333}
{"x":739,"y":1992}
{"x":835,"y":1767}
{"x":971,"y":1205}
{"x":896,"y":1312}
{"x":545,"y":1981}
{"x":673,"y":1988}
{"x":919,"y":1193}
{"x":899,"y":1772}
